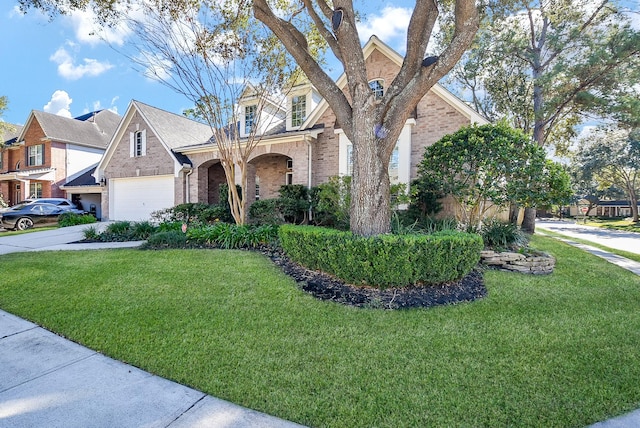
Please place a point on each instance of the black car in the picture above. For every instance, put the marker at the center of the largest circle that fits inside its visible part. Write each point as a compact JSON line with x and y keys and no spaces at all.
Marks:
{"x":25,"y":216}
{"x":61,"y":202}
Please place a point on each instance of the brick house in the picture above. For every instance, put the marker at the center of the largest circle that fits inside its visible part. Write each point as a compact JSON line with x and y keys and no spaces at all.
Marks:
{"x":50,"y":150}
{"x":157,"y":159}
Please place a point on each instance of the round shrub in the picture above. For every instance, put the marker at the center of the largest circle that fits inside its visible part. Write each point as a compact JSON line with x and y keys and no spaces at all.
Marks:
{"x":265,"y":211}
{"x":386,"y":260}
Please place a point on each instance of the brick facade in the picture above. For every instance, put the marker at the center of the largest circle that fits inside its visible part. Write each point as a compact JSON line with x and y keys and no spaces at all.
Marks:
{"x":435,"y":117}
{"x":318,"y":148}
{"x":156,"y":161}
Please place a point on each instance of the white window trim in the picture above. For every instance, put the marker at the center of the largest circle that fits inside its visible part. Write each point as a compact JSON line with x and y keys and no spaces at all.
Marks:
{"x":39,"y":160}
{"x":404,"y":153}
{"x":35,"y":189}
{"x":246,"y":132}
{"x":132,"y":143}
{"x":306,"y":110}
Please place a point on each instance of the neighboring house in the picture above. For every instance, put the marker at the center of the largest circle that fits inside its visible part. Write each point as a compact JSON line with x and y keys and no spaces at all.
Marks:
{"x":51,"y":150}
{"x":157,"y":159}
{"x":141,"y":170}
{"x":604,"y":209}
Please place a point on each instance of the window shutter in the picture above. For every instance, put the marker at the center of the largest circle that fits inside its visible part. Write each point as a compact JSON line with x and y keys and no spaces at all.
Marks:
{"x":144,"y":142}
{"x":43,"y":158}
{"x":132,"y":145}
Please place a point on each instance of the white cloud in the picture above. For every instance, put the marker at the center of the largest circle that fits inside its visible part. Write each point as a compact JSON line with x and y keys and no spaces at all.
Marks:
{"x":16,"y":12}
{"x":60,"y":104}
{"x":389,"y":25}
{"x":97,"y":106}
{"x":157,"y":68}
{"x":88,"y":31}
{"x":69,"y":70}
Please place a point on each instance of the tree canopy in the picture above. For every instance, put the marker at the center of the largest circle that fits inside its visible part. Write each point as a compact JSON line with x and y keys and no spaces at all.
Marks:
{"x":492,"y":165}
{"x":611,"y":157}
{"x":544,"y":65}
{"x":4,"y":127}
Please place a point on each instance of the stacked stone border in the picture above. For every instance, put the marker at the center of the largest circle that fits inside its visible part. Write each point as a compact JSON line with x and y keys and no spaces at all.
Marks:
{"x":517,"y":262}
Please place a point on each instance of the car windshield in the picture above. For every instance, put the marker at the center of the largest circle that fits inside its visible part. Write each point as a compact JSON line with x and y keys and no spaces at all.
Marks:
{"x":18,"y":207}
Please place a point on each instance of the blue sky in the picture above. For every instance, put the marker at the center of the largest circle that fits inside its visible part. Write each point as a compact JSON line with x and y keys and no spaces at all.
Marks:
{"x":60,"y":68}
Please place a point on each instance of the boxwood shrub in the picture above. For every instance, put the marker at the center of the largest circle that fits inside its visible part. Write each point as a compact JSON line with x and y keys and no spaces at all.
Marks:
{"x":386,"y":260}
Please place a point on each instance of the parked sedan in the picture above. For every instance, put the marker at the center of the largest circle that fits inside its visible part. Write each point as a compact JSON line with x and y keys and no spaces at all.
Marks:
{"x":25,"y":216}
{"x":61,"y":202}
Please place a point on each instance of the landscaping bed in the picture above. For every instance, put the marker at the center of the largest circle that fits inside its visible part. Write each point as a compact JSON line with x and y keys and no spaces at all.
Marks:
{"x":327,"y":287}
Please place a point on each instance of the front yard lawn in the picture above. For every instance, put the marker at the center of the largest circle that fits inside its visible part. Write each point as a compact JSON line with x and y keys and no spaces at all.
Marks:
{"x":555,"y":351}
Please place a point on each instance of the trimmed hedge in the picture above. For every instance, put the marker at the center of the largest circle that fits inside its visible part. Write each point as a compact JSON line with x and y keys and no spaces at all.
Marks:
{"x":386,"y":260}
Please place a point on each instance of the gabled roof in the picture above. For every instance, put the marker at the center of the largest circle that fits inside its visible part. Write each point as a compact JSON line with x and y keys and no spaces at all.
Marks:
{"x":374,"y":43}
{"x":172,"y":130}
{"x":84,"y":179}
{"x":11,"y":137}
{"x":94,"y":131}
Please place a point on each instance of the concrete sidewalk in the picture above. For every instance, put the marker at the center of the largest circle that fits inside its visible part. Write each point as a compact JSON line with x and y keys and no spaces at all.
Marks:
{"x":46,"y":380}
{"x":46,"y":239}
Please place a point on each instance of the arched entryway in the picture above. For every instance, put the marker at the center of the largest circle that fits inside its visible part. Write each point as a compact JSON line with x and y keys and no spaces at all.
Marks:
{"x":210,"y":177}
{"x":271,"y":171}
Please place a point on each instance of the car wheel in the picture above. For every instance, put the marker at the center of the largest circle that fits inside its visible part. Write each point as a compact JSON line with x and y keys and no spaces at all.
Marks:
{"x":24,"y":223}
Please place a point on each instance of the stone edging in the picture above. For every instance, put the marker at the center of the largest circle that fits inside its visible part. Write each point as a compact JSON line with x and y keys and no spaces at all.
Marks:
{"x":516,"y":262}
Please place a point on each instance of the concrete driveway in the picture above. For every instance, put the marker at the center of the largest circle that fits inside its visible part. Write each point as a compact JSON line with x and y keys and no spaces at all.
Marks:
{"x":56,"y":239}
{"x":616,"y":239}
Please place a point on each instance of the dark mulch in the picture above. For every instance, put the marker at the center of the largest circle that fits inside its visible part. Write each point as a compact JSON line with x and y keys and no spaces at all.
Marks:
{"x":327,"y":287}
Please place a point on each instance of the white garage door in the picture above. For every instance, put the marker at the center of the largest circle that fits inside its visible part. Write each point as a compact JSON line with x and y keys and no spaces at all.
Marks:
{"x":136,"y":198}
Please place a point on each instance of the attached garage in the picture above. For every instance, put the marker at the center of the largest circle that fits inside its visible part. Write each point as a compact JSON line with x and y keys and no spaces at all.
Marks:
{"x":135,"y":198}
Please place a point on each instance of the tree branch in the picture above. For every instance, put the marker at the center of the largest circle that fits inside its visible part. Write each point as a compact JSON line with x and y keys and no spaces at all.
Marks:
{"x":321,"y":80}
{"x":324,"y":32}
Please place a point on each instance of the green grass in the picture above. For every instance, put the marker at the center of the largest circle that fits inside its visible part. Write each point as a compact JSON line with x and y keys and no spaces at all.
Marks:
{"x":627,"y":254}
{"x":21,"y":232}
{"x":626,"y":225}
{"x":554,"y":351}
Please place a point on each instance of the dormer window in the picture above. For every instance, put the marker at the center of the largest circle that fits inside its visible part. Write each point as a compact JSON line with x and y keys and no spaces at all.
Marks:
{"x":298,"y":110}
{"x":249,"y":118}
{"x":377,"y":86}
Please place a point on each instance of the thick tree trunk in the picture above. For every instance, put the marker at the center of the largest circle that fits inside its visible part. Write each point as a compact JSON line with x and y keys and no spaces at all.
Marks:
{"x":514,"y":211}
{"x":633,"y":203}
{"x":529,"y":221}
{"x":370,"y":212}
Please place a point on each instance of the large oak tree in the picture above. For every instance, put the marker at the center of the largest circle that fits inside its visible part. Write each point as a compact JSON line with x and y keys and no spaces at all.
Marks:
{"x":373,"y":126}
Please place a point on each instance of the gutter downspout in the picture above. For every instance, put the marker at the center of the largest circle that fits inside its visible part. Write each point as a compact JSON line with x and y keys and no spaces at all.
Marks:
{"x":187,"y":170}
{"x":309,"y":166}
